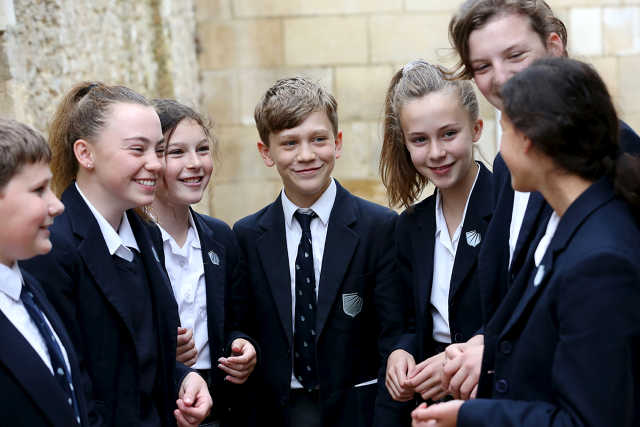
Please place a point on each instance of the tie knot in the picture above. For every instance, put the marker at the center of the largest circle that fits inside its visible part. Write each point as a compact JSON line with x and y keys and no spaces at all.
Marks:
{"x":304,"y":219}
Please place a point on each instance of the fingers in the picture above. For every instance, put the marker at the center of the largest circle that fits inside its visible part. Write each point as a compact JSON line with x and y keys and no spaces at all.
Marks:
{"x":449,"y":370}
{"x":474,"y":392}
{"x":468,"y":385}
{"x":186,"y":351}
{"x":184,"y":335}
{"x":183,"y":418}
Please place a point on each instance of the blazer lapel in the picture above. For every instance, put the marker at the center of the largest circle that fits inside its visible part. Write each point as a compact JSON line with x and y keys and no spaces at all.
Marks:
{"x":272,"y":250}
{"x":339,"y":247}
{"x":95,"y":254}
{"x":473,"y":230}
{"x":29,"y":369}
{"x":423,"y":248}
{"x":214,"y":261}
{"x":594,"y":197}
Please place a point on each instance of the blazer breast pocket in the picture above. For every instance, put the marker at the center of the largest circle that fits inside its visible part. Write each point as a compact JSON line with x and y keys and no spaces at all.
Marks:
{"x":353,"y":299}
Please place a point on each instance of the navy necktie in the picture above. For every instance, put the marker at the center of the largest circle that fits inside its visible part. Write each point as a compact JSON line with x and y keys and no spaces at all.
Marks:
{"x":304,"y":344}
{"x":60,"y":371}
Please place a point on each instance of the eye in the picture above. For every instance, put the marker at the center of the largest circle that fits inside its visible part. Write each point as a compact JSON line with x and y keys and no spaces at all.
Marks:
{"x":320,"y":139}
{"x":480,"y":68}
{"x":175,"y":152}
{"x":516,"y":55}
{"x":40,"y":190}
{"x":203,"y":149}
{"x":450,"y":134}
{"x":418,"y":140}
{"x":288,"y":144}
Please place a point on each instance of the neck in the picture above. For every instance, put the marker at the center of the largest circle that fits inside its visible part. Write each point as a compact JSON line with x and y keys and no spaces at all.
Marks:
{"x":174,"y":219}
{"x":560,"y":189}
{"x":109,"y":209}
{"x":455,"y":198}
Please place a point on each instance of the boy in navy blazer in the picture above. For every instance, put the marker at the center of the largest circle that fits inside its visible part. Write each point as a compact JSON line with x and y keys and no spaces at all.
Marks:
{"x":39,"y":372}
{"x":323,"y":301}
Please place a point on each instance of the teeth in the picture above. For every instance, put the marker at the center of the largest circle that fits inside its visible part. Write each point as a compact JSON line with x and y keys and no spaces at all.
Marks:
{"x":194,"y":179}
{"x":147,"y":182}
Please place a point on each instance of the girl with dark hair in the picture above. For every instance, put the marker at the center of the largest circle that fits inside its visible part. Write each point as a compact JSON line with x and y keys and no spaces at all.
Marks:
{"x":201,"y":257}
{"x":431,"y":126}
{"x":102,"y":275}
{"x":569,"y":353}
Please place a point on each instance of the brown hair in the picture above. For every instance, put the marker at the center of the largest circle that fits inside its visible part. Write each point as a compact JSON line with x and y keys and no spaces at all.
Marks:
{"x":289,"y":102}
{"x":171,"y":113}
{"x":474,"y":14}
{"x":82,"y":113}
{"x":415,"y":80}
{"x":19,"y":144}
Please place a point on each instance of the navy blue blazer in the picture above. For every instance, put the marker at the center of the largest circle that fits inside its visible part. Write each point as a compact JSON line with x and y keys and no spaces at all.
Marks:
{"x":358,"y":259}
{"x":500,"y":291}
{"x":84,"y":287}
{"x":222,"y":271}
{"x":570,"y":352}
{"x":415,"y":241}
{"x":29,"y":394}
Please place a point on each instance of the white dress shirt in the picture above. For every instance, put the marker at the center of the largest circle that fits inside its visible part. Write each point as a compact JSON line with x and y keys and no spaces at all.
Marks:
{"x":322,"y":208}
{"x":520,"y":201}
{"x":444,"y":256}
{"x":13,"y":308}
{"x":552,"y":226}
{"x":118,"y":242}
{"x":186,"y":272}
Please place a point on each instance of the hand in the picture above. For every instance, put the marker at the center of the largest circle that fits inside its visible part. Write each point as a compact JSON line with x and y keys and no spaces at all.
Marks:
{"x":399,"y":364}
{"x":462,"y":368}
{"x":194,"y":401}
{"x":426,"y":378}
{"x":438,"y":415}
{"x":241,"y":362}
{"x":186,"y":352}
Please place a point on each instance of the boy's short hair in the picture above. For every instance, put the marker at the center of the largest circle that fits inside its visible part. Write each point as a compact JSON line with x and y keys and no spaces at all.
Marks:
{"x":19,"y":145}
{"x":474,"y":14}
{"x":289,"y":102}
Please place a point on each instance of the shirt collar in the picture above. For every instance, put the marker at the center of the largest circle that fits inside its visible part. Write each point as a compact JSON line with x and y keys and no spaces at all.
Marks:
{"x":322,"y":207}
{"x":123,"y":238}
{"x":11,"y":281}
{"x":192,"y":237}
{"x":441,"y":223}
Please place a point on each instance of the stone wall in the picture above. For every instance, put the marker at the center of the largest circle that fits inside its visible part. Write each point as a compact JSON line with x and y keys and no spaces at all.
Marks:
{"x":353,"y":48}
{"x":46,"y":46}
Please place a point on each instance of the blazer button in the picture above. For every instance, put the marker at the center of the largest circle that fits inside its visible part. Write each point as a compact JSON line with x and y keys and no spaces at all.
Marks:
{"x":457,"y":337}
{"x":506,"y":347}
{"x":502,"y":386}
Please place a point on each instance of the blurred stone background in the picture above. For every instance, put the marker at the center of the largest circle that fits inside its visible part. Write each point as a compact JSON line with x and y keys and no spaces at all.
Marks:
{"x":221,"y":55}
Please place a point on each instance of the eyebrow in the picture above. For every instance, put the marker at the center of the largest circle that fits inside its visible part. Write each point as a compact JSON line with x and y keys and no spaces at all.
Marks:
{"x":144,"y":139}
{"x":184,"y":143}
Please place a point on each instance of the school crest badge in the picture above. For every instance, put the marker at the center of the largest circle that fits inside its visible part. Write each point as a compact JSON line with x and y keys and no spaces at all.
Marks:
{"x":473,"y":238}
{"x":215,"y":260}
{"x":351,"y":304}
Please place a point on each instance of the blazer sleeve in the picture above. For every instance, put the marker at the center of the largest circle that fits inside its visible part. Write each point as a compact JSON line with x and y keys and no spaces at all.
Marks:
{"x":596,"y":362}
{"x":57,"y":272}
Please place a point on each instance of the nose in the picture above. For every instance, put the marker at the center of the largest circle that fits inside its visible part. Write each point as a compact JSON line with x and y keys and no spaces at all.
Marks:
{"x":55,"y":205}
{"x":436,"y":150}
{"x":194,"y":161}
{"x":306,"y":152}
{"x":501,"y":73}
{"x":152,"y":162}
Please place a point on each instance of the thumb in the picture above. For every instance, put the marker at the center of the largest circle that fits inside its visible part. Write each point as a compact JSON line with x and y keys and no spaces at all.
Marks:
{"x":190,"y":390}
{"x":237,"y":346}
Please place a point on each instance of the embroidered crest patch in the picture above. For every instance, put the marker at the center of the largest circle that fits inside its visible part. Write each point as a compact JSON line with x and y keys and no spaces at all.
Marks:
{"x":215,"y":260}
{"x":473,"y":238}
{"x":351,"y":304}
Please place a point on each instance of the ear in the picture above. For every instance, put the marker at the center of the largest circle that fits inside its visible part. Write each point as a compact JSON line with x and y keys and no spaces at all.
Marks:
{"x":84,"y":154}
{"x":338,"y":144}
{"x":554,"y":45}
{"x":263,"y":149}
{"x":527,"y":144}
{"x":476,"y":132}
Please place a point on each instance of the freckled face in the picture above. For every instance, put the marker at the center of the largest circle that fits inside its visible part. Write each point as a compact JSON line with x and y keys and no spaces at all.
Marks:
{"x":439,"y":135}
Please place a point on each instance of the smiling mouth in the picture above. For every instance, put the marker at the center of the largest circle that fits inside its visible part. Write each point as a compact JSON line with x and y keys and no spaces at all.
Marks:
{"x":441,"y":169}
{"x":192,"y":180}
{"x":307,"y":171}
{"x":146,"y":182}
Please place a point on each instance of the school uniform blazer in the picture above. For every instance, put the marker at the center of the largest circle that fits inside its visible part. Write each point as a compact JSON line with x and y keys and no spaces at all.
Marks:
{"x":500,"y":291}
{"x":415,"y":240}
{"x":570,"y":352}
{"x":358,"y":261}
{"x":29,"y":394}
{"x":222,"y":271}
{"x":84,"y":286}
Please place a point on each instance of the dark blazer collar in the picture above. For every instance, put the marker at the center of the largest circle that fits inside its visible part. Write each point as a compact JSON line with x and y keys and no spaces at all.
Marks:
{"x":588,"y":202}
{"x":214,"y":259}
{"x":474,"y":226}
